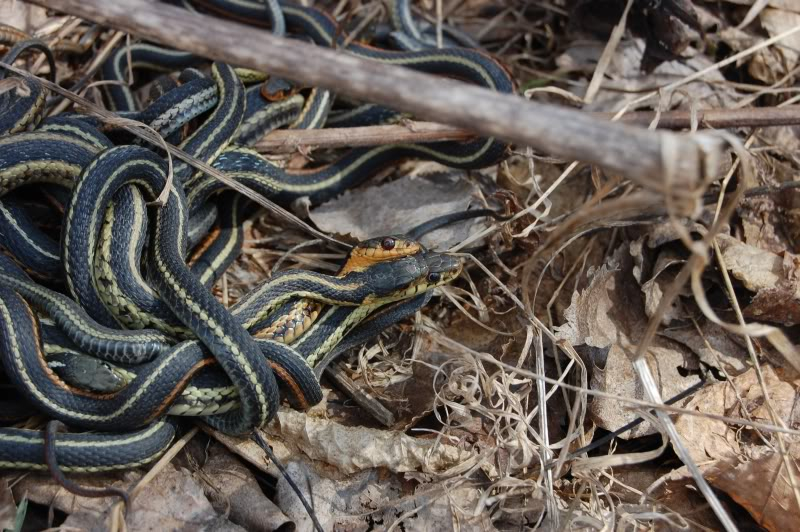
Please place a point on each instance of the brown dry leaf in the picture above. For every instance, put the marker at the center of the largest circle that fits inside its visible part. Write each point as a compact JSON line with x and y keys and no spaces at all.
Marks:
{"x":678,"y":501}
{"x":376,"y":371}
{"x":617,"y":376}
{"x":596,"y":316}
{"x":664,"y":272}
{"x":351,"y":502}
{"x":756,"y":269}
{"x":680,"y":496}
{"x":737,"y":39}
{"x":168,"y":502}
{"x":348,"y":449}
{"x":774,"y":279}
{"x":712,"y":344}
{"x":8,"y":510}
{"x":41,"y":489}
{"x":374,"y":499}
{"x":768,"y":64}
{"x":772,"y":63}
{"x":408,"y":387}
{"x":777,"y":21}
{"x":709,"y":439}
{"x":324,"y":487}
{"x":773,"y":505}
{"x":764,"y":219}
{"x":609,"y":316}
{"x":414,"y":396}
{"x":734,"y":461}
{"x":246,"y":448}
{"x":783,"y":140}
{"x":495,"y":337}
{"x":665,"y":28}
{"x":353,"y":449}
{"x":234,"y":491}
{"x":438,"y":510}
{"x":360,"y":213}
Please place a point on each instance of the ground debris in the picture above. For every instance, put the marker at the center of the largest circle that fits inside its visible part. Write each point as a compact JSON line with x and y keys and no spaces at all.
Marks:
{"x":735,"y":461}
{"x":506,"y":389}
{"x":774,"y":279}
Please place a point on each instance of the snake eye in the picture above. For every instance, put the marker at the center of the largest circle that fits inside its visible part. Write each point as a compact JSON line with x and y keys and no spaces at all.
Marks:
{"x":388,"y":243}
{"x":434,"y":277}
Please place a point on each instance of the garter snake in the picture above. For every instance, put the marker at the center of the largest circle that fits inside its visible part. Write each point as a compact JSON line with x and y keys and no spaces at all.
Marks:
{"x":169,"y":372}
{"x":54,"y":155}
{"x":62,"y":146}
{"x":357,"y":165}
{"x":234,"y":349}
{"x":245,"y":364}
{"x":213,"y":135}
{"x":191,"y":99}
{"x":211,"y":393}
{"x":156,"y":387}
{"x":24,"y":110}
{"x":139,"y":56}
{"x":113,"y":162}
{"x":132,"y":303}
{"x":464,"y":63}
{"x":10,"y":36}
{"x":408,"y":35}
{"x":276,"y":291}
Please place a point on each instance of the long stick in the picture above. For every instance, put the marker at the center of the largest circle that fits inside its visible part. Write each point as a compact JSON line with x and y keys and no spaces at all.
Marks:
{"x":288,"y":140}
{"x":649,"y":158}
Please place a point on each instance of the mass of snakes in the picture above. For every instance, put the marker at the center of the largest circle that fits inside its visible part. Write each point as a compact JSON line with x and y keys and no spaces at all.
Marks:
{"x":107,"y":319}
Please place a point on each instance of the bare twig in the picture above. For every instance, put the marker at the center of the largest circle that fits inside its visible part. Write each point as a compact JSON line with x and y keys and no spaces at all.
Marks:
{"x":283,"y":140}
{"x":645,"y":157}
{"x":288,"y":140}
{"x":717,"y":118}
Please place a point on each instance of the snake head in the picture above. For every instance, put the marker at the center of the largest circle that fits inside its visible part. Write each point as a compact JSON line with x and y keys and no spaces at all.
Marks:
{"x":375,"y":250}
{"x":276,"y":89}
{"x":442,"y":269}
{"x":407,"y":277}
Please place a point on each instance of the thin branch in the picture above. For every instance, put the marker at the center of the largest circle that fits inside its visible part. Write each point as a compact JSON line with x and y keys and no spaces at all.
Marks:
{"x":288,"y":140}
{"x":717,"y":118}
{"x":643,"y":156}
